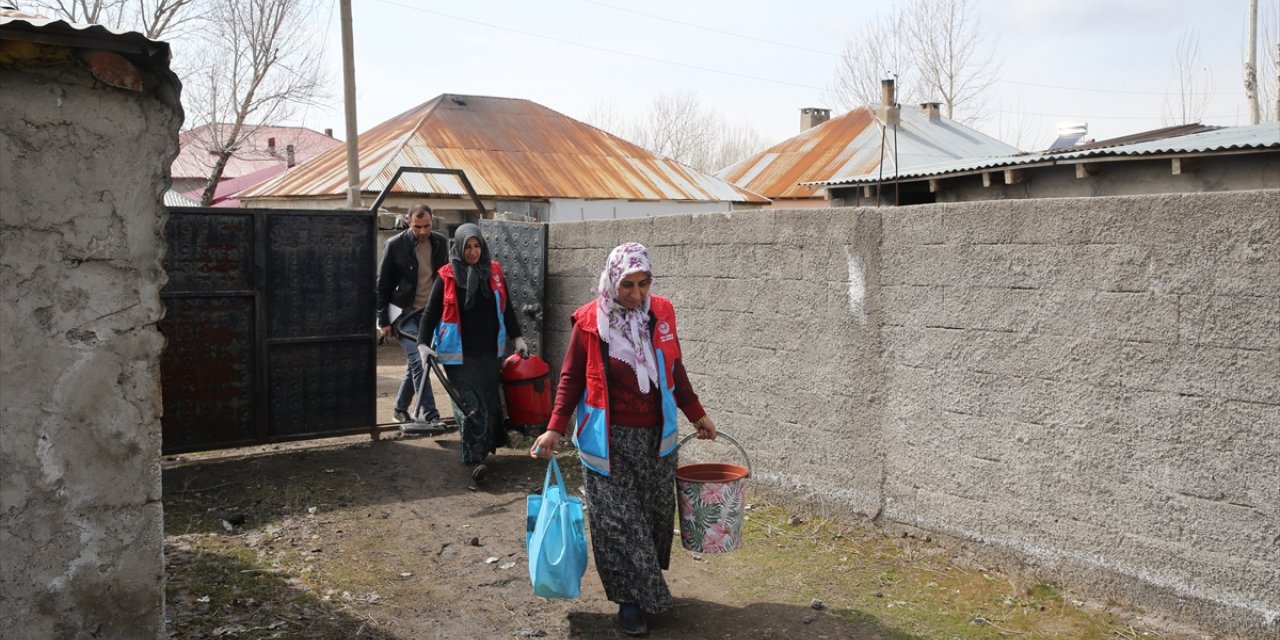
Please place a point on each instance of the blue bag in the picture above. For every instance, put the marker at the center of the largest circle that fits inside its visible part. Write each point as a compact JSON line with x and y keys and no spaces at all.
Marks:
{"x":556,"y":539}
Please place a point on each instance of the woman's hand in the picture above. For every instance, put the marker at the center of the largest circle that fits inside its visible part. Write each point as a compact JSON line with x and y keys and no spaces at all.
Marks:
{"x":545,"y":446}
{"x":706,"y":428}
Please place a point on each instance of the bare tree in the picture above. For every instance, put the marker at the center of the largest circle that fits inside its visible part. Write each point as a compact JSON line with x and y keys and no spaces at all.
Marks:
{"x":153,"y":18}
{"x":104,"y":12}
{"x":937,"y":49}
{"x":169,"y":17}
{"x":734,"y":144}
{"x":1193,"y":80}
{"x":679,"y":127}
{"x":879,"y":51}
{"x":947,"y":40}
{"x":605,"y":116}
{"x":261,"y":67}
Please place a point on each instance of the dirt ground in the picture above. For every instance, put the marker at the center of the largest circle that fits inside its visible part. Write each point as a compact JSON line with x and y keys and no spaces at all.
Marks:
{"x":390,"y":539}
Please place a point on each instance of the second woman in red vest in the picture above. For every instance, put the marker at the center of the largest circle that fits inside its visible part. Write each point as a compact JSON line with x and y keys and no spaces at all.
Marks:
{"x":465,"y":326}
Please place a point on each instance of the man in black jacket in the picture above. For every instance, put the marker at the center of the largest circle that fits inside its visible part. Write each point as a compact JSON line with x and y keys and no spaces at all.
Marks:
{"x":409,"y":263}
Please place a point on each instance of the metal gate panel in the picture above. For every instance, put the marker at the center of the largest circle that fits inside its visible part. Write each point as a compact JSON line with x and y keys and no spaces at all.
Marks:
{"x":207,"y":372}
{"x":268,"y":327}
{"x":317,"y":388}
{"x":521,"y":249}
{"x":210,"y":355}
{"x":319,"y":331}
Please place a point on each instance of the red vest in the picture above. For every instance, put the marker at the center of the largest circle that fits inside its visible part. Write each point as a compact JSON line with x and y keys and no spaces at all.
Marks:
{"x":591,"y":423}
{"x":448,"y":338}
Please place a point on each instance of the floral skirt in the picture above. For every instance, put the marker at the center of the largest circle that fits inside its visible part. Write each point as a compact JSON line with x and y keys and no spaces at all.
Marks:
{"x":477,"y":381}
{"x":632,"y":517}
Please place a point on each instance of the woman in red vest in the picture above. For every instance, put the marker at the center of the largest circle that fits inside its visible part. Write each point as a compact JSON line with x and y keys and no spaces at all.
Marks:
{"x":624,"y":378}
{"x":465,"y":326}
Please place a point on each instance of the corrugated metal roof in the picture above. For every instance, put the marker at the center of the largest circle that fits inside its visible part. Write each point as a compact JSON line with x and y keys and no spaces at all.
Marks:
{"x":1257,"y":136}
{"x":851,"y":145}
{"x":1203,"y":141}
{"x":508,"y":148}
{"x":255,"y":152}
{"x":1154,"y":134}
{"x":140,"y":50}
{"x":175,"y":199}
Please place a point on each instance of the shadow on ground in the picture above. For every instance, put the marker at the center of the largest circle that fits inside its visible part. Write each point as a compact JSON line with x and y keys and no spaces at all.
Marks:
{"x":211,"y":595}
{"x":252,"y":491}
{"x":695,"y":618}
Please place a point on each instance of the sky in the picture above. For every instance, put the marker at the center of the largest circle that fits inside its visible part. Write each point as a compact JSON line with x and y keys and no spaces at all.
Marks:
{"x":1107,"y":63}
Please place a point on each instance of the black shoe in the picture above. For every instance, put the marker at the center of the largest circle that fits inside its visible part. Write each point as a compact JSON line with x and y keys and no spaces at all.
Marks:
{"x":631,"y":620}
{"x":403,"y":416}
{"x":479,"y":473}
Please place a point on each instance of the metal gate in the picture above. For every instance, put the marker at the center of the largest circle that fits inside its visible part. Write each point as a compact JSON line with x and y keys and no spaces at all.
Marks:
{"x":268,"y":326}
{"x":521,"y":249}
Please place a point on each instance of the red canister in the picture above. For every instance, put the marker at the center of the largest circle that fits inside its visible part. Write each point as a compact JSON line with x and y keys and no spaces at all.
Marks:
{"x":526,"y":386}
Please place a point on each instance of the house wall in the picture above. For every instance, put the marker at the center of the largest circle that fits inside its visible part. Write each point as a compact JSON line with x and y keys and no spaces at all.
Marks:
{"x":84,"y":168}
{"x":1130,"y":177}
{"x":1085,"y":389}
{"x":1123,"y":177}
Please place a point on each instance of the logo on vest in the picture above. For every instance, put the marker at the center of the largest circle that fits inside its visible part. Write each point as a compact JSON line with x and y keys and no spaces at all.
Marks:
{"x":665,"y":330}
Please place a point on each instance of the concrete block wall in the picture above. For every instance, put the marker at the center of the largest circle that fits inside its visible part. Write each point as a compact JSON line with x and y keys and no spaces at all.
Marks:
{"x":1088,"y":386}
{"x":83,"y":168}
{"x":1094,"y":385}
{"x":776,"y":328}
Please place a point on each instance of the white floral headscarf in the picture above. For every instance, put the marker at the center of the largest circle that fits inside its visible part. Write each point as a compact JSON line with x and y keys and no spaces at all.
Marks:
{"x":626,"y":330}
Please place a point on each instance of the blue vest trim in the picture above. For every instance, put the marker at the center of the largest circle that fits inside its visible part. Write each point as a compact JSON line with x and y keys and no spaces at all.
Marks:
{"x":670,"y":422}
{"x":448,"y":343}
{"x":591,"y":437}
{"x":502,"y":326}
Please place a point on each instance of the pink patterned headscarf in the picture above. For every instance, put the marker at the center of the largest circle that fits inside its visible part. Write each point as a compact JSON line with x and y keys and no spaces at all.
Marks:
{"x":626,"y":330}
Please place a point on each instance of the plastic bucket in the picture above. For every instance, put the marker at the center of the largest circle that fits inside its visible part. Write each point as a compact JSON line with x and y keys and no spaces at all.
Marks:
{"x":712,"y":497}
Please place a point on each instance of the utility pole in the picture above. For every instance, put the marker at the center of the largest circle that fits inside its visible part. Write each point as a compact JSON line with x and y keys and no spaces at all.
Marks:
{"x":1251,"y":66}
{"x":349,"y":101}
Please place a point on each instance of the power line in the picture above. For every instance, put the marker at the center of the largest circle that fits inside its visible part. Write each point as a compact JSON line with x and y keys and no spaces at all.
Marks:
{"x":1091,"y":117}
{"x":713,"y":29}
{"x":1144,"y":93}
{"x":604,"y":49}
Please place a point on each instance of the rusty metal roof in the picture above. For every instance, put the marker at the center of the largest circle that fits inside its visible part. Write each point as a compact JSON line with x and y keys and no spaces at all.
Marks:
{"x":851,"y":145}
{"x":508,"y":148}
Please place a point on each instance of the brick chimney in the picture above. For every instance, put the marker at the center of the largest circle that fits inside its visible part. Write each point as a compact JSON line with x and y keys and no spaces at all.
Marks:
{"x":328,"y":132}
{"x":811,"y":117}
{"x":889,"y":112}
{"x":932,"y":109}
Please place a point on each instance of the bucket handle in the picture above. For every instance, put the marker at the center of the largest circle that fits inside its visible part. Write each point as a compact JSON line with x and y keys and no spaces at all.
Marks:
{"x":721,"y":434}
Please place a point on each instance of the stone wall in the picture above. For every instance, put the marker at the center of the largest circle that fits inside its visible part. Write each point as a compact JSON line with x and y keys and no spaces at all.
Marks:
{"x":83,"y":168}
{"x":1089,"y":387}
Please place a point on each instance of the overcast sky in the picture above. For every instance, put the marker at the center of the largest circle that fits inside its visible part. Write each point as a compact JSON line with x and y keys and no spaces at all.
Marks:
{"x":1108,"y":63}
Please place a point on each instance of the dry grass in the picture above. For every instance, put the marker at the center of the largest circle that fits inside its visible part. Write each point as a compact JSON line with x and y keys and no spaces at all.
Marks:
{"x":346,"y":570}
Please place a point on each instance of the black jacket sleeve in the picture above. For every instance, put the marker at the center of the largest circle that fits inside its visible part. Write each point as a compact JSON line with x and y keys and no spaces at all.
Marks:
{"x":388,"y":276}
{"x":431,"y":313}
